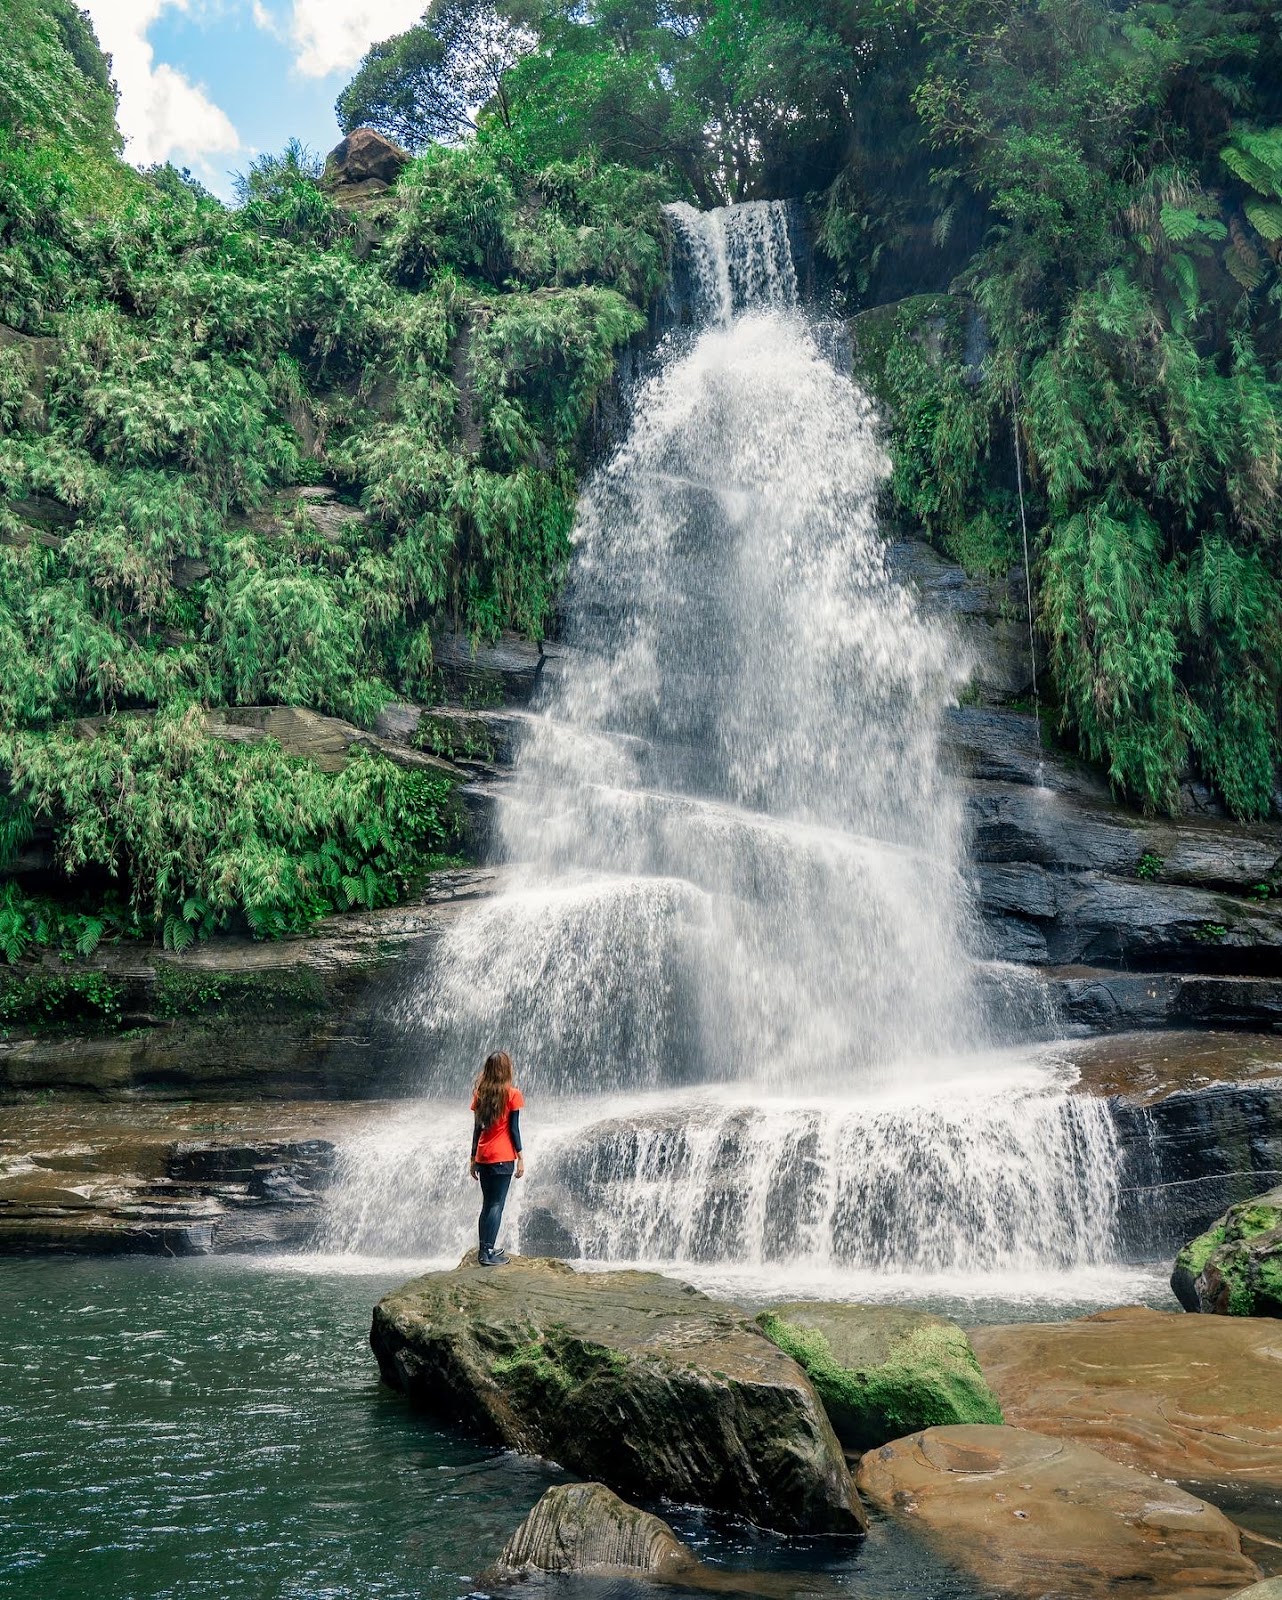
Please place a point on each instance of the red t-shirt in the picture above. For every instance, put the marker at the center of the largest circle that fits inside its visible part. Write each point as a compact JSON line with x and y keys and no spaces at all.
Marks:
{"x":495,"y":1143}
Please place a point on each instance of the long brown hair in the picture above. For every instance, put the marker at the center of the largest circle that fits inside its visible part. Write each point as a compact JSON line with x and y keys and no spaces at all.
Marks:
{"x":493,"y":1088}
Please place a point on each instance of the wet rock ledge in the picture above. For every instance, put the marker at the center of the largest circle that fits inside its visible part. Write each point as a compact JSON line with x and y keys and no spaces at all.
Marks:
{"x":302,"y":1017}
{"x":164,"y":1179}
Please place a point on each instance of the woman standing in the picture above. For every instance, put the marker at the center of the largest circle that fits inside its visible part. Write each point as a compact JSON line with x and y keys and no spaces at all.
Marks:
{"x":496,"y":1148}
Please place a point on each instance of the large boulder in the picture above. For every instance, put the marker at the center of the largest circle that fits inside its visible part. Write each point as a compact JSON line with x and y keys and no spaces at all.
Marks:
{"x":628,"y":1377}
{"x":1235,"y":1267}
{"x":1192,"y":1398}
{"x":364,"y":156}
{"x":1041,"y":1516}
{"x":883,"y":1371}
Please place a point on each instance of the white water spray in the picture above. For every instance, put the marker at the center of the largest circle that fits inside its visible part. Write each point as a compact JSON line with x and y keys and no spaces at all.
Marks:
{"x":732,"y":962}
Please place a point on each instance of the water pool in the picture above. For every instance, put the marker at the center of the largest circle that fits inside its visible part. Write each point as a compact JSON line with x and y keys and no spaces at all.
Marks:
{"x":214,"y":1429}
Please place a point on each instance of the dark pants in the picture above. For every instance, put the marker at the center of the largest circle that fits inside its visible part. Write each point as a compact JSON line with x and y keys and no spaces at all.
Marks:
{"x":496,"y":1180}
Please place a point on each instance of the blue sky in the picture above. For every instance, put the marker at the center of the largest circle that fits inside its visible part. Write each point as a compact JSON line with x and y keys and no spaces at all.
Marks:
{"x":210,"y":84}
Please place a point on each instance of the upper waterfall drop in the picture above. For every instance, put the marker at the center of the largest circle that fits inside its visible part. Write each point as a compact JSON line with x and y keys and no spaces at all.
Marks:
{"x":734,"y":854}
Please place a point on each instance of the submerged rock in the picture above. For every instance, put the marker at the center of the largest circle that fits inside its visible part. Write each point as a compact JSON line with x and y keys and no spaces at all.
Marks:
{"x":1235,"y":1267}
{"x":1190,"y":1398}
{"x":585,"y":1527}
{"x":882,"y":1371}
{"x":1042,"y":1516}
{"x":628,"y":1377}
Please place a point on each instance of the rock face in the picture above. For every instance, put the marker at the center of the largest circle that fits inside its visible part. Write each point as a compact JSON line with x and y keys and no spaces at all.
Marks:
{"x":1198,"y":1117}
{"x":328,"y":742}
{"x":303,"y":1017}
{"x":1235,"y":1268}
{"x":1042,"y":1516}
{"x":1135,"y":921}
{"x":583,"y":1527}
{"x":882,"y":1371}
{"x":1198,"y":1399}
{"x":162,"y":1179}
{"x":508,"y":671}
{"x":990,"y":617}
{"x":627,"y":1377}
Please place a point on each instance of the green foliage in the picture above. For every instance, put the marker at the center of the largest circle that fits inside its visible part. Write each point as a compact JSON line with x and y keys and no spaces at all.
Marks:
{"x":425,"y":85}
{"x":1149,"y":867}
{"x":42,"y":999}
{"x":1131,"y":302}
{"x":56,"y":84}
{"x":29,"y":923}
{"x":437,"y":367}
{"x":183,"y":991}
{"x":204,"y":835}
{"x":477,"y":210}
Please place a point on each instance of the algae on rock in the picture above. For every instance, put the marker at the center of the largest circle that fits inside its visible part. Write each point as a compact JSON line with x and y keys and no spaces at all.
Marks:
{"x":883,"y":1372}
{"x":628,"y":1377}
{"x":1235,"y":1267}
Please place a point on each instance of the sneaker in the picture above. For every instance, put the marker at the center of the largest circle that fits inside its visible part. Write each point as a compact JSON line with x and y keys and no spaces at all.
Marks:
{"x":494,"y":1258}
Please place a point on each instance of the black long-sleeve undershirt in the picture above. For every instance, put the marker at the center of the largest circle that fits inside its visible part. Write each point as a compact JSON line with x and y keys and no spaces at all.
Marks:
{"x":513,"y":1128}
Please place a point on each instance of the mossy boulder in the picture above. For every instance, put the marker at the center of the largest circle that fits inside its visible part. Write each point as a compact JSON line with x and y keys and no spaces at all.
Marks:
{"x":882,"y":1371}
{"x":629,"y":1378}
{"x":1235,"y":1267}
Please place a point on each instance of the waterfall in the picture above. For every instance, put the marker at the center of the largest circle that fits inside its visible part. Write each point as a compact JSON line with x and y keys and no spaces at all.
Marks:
{"x":731,"y":960}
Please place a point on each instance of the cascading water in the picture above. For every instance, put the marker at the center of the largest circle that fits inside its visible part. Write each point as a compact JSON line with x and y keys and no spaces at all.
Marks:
{"x":731,"y":960}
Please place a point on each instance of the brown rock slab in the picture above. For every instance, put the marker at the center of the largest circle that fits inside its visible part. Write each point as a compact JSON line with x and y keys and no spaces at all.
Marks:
{"x":1187,"y":1397}
{"x":1040,"y":1516}
{"x":627,"y":1377}
{"x":142,"y":1177}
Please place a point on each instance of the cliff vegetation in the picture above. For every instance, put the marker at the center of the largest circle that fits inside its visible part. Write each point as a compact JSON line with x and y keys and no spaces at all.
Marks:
{"x":1057,"y":224}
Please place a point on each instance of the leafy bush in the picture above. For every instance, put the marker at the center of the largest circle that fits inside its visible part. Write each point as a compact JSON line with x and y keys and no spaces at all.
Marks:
{"x":438,"y":366}
{"x":203,"y":835}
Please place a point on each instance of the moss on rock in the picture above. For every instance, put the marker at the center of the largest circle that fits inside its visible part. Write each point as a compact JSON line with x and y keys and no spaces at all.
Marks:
{"x":1235,"y":1267}
{"x":883,"y":1372}
{"x":628,"y":1377}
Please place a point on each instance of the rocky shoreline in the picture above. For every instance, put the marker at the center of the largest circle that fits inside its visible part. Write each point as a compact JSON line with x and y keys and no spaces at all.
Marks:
{"x":1066,"y":1487}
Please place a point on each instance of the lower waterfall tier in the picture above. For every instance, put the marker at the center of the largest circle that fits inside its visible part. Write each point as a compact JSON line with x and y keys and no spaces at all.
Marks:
{"x":986,"y":1165}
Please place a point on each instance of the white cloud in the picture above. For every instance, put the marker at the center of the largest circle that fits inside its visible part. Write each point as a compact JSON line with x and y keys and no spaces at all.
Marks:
{"x":329,"y":35}
{"x":164,"y":116}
